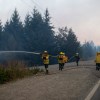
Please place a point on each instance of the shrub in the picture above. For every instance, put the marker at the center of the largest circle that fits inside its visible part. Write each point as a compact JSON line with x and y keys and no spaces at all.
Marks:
{"x":14,"y":70}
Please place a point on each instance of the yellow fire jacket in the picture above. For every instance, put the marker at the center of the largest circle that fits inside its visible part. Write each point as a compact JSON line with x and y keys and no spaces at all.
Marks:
{"x":45,"y":59}
{"x":61,"y":59}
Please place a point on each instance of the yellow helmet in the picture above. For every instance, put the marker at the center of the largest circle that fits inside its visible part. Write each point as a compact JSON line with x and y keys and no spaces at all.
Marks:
{"x":61,"y":53}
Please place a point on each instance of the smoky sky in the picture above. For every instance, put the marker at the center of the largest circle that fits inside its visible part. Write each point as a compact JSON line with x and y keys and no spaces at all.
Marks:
{"x":83,"y":16}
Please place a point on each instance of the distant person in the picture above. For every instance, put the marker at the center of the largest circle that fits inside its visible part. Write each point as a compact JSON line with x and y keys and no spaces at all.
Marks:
{"x":77,"y":57}
{"x":45,"y":57}
{"x":61,"y":60}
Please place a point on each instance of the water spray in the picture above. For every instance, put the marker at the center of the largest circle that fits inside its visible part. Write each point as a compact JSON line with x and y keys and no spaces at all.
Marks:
{"x":36,"y":53}
{"x":20,"y":52}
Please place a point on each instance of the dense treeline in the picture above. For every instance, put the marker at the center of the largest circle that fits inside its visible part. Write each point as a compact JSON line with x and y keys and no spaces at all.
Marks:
{"x":88,"y":50}
{"x":37,"y":33}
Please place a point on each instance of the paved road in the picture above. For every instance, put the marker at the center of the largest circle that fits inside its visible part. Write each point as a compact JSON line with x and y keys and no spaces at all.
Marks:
{"x":96,"y":96}
{"x":73,"y":83}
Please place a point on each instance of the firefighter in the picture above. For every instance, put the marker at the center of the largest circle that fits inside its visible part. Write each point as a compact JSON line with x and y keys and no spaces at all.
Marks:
{"x":65,"y":59}
{"x":45,"y":57}
{"x":61,"y":60}
{"x":77,"y":58}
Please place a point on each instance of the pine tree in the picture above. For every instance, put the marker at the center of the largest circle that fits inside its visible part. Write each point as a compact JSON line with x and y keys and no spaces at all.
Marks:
{"x":41,"y":35}
{"x":48,"y":33}
{"x":1,"y":27}
{"x":1,"y":31}
{"x":73,"y":44}
{"x":27,"y":32}
{"x":14,"y":30}
{"x":61,"y":39}
{"x":67,"y":42}
{"x":39,"y":32}
{"x":6,"y":36}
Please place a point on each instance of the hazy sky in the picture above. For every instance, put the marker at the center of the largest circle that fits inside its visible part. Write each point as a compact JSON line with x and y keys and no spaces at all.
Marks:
{"x":82,"y":15}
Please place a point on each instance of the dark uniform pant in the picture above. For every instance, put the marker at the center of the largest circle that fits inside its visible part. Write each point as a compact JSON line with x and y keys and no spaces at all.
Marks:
{"x":61,"y":65}
{"x":46,"y":68}
{"x":77,"y":62}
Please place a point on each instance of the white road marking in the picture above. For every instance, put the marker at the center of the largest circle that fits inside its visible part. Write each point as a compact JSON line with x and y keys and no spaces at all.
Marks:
{"x":90,"y":95}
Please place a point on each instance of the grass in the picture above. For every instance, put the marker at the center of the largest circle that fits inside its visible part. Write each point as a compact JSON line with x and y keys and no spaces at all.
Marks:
{"x":16,"y":70}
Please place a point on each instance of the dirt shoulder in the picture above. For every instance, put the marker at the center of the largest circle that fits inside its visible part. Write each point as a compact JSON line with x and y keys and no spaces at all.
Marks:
{"x":73,"y":83}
